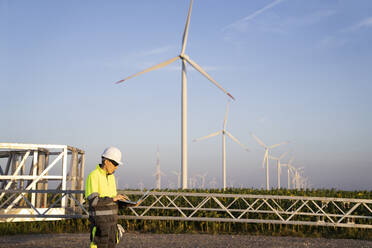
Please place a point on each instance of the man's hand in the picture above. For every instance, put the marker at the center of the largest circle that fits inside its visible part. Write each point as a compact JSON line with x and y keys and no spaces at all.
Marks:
{"x":121,"y":197}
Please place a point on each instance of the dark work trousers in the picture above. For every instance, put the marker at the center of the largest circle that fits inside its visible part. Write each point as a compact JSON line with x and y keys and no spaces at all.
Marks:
{"x":103,"y":218}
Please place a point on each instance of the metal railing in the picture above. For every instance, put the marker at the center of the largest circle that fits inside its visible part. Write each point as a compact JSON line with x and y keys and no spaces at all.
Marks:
{"x":297,"y":210}
{"x":238,"y":208}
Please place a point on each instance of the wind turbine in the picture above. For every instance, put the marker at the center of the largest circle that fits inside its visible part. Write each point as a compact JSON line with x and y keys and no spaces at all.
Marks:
{"x":178,"y":178}
{"x":279,"y":166}
{"x":184,"y":58}
{"x":306,"y":183}
{"x":266,"y":156}
{"x":202,"y":178}
{"x":213,"y":183}
{"x":289,"y":168}
{"x":158,"y":172}
{"x":193,"y":181}
{"x":141,"y":185}
{"x":297,"y":179}
{"x":223,"y":132}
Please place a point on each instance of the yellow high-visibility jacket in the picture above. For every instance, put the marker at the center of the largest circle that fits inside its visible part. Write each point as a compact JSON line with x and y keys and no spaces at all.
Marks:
{"x":99,"y":182}
{"x":102,"y":210}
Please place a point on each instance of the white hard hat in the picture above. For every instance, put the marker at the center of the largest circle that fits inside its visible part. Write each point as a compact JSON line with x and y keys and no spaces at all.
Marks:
{"x":112,"y":153}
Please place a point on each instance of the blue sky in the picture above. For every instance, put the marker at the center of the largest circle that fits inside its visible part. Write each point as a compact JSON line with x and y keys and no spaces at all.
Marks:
{"x":299,"y":70}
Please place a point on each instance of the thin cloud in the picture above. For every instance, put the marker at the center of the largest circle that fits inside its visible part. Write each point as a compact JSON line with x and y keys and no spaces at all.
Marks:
{"x":155,"y":51}
{"x":366,"y":23}
{"x":238,"y":24}
{"x":262,"y":119}
{"x":341,"y":37}
{"x":277,"y":24}
{"x":333,"y":41}
{"x":313,"y":18}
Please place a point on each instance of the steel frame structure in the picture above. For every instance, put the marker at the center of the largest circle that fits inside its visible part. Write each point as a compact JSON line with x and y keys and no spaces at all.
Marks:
{"x":27,"y":193}
{"x":238,"y":208}
{"x":274,"y":209}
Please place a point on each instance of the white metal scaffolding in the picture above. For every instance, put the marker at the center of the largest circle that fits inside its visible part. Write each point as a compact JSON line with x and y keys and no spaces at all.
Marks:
{"x":28,"y":169}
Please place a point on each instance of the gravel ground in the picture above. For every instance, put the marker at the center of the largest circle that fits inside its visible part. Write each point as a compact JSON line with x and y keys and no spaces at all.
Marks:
{"x":134,"y":240}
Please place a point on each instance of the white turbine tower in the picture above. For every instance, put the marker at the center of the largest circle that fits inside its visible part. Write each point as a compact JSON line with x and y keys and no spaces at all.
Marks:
{"x":184,"y":58}
{"x":278,"y":164}
{"x":224,"y":132}
{"x":178,"y":178}
{"x":289,"y":166}
{"x":158,"y":172}
{"x":266,"y":156}
{"x":141,"y":185}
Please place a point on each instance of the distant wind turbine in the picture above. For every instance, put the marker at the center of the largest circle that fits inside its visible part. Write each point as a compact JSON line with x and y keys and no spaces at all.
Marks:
{"x":232,"y":182}
{"x":193,"y":182}
{"x":141,"y":185}
{"x":202,"y":177}
{"x":306,"y":183}
{"x":289,"y":168}
{"x":223,"y":132}
{"x":213,"y":183}
{"x":296,"y":177}
{"x":266,"y":156}
{"x":279,"y":166}
{"x":296,"y":180}
{"x":158,"y":172}
{"x":184,"y":58}
{"x":178,"y":178}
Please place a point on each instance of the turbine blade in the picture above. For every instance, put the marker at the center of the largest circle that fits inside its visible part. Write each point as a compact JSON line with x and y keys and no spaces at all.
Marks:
{"x":237,"y":141}
{"x":258,"y":140}
{"x":290,"y":161}
{"x":201,"y":70}
{"x":283,"y":155}
{"x":207,"y":137}
{"x":226,"y":113}
{"x":276,"y":145}
{"x":158,"y":66}
{"x":186,"y":32}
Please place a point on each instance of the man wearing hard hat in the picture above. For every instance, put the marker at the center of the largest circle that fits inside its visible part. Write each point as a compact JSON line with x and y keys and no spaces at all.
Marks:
{"x":100,"y":191}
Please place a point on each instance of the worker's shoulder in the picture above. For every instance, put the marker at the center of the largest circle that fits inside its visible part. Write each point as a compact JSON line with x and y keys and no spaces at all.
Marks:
{"x":94,"y":173}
